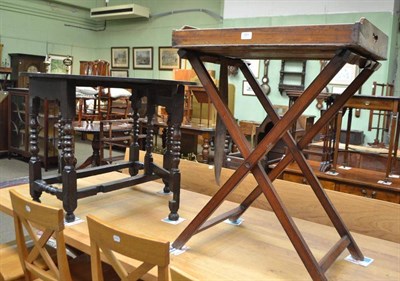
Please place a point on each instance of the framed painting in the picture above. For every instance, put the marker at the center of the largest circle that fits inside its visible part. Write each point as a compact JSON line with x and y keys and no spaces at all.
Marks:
{"x":60,"y":64}
{"x":247,"y":90}
{"x":254,"y":66}
{"x":143,"y":58}
{"x":168,"y":58}
{"x":119,"y":73}
{"x":345,"y":76}
{"x":120,"y":57}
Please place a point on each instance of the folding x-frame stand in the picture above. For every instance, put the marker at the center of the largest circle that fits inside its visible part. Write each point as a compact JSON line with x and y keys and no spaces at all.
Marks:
{"x":235,"y":49}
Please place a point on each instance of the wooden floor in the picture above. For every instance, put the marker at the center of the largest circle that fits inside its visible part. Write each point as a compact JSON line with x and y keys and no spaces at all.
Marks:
{"x":256,"y":250}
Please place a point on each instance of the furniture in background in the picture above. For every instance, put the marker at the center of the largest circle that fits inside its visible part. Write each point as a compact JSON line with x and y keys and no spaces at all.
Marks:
{"x":5,"y":71}
{"x":106,"y":134}
{"x":291,"y":42}
{"x":196,"y":99}
{"x":187,"y":75}
{"x":25,"y":63}
{"x":249,"y":128}
{"x":326,"y":135}
{"x":200,"y":95}
{"x":117,"y":134}
{"x":192,"y":137}
{"x":103,"y":102}
{"x":233,"y":157}
{"x":4,"y":96}
{"x":389,"y":105}
{"x":201,"y":100}
{"x":378,"y":118}
{"x":357,"y":181}
{"x":18,"y":127}
{"x":60,"y":87}
{"x":299,"y":128}
{"x":292,"y":75}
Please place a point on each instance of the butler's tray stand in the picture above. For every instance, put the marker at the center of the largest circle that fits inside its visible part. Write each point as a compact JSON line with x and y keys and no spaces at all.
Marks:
{"x":360,"y":43}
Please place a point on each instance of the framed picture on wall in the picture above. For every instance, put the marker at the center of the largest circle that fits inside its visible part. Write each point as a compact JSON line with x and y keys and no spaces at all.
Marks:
{"x":143,"y":58}
{"x":119,"y":73}
{"x":247,"y":90}
{"x":168,"y":58}
{"x":254,"y":66}
{"x":346,"y":75}
{"x":60,"y":64}
{"x":120,"y":57}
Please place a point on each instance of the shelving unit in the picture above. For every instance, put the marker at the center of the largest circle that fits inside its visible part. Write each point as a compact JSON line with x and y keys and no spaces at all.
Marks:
{"x":292,"y":75}
{"x":18,"y":130}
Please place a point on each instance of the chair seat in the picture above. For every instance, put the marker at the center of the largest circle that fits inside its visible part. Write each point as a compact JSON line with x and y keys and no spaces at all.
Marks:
{"x":10,"y":266}
{"x":118,"y":93}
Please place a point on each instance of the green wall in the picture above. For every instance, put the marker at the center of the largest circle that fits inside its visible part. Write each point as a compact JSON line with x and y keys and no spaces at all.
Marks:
{"x":37,"y":27}
{"x":251,"y":108}
{"x":34,"y":26}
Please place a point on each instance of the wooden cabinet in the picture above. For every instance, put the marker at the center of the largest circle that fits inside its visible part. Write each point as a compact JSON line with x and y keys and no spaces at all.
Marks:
{"x":301,"y":179}
{"x":374,"y":193}
{"x":25,"y":63}
{"x":359,"y":182}
{"x":18,"y":129}
{"x":3,"y":121}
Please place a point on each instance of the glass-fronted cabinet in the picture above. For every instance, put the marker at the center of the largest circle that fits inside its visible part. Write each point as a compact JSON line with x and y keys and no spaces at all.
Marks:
{"x":18,"y":135}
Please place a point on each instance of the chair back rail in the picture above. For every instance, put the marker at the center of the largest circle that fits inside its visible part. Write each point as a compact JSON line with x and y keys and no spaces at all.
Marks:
{"x":32,"y":216}
{"x":111,"y":239}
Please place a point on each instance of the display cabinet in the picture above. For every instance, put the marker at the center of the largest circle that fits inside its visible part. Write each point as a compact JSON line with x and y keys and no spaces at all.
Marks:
{"x":18,"y":129}
{"x":3,"y":121}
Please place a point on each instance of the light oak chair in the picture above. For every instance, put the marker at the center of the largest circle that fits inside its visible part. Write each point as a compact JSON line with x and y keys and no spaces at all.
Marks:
{"x":149,"y":252}
{"x":42,"y":223}
{"x":10,"y":266}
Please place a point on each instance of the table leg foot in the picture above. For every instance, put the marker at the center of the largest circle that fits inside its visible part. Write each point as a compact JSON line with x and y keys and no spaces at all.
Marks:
{"x":166,"y":187}
{"x":69,"y":217}
{"x":173,"y":206}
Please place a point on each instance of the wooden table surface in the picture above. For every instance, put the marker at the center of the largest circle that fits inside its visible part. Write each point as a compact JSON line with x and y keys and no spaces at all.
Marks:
{"x":298,"y":42}
{"x":256,"y":250}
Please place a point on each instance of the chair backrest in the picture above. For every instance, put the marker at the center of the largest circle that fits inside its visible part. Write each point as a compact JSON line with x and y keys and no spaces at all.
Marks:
{"x":41,"y":223}
{"x":150,"y":252}
{"x":97,"y":68}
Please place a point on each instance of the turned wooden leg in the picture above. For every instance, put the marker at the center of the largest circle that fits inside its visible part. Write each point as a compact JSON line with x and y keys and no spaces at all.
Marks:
{"x":167,"y":157}
{"x":136,"y":103}
{"x":69,"y":178}
{"x":35,"y":172}
{"x":175,"y":174}
{"x":206,"y":149}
